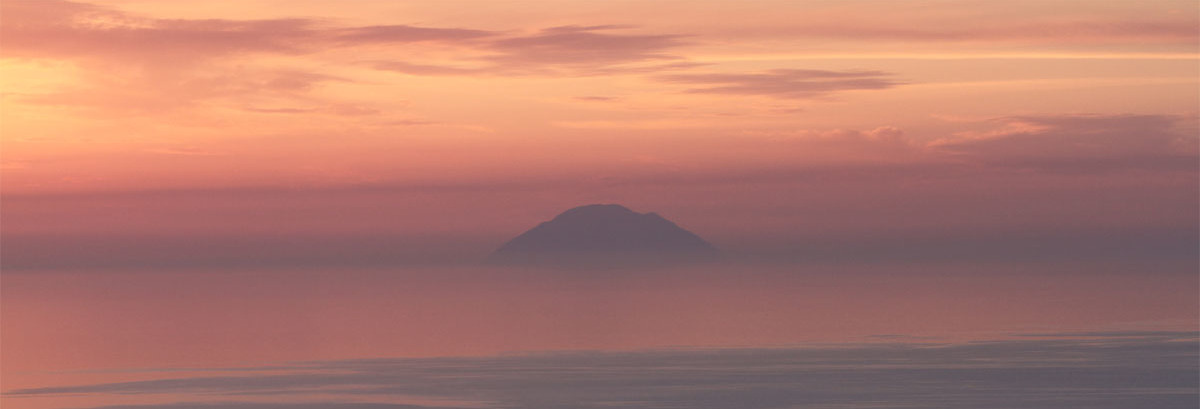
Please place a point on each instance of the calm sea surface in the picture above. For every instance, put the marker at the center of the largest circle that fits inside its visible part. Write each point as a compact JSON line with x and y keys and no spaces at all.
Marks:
{"x":731,"y":336}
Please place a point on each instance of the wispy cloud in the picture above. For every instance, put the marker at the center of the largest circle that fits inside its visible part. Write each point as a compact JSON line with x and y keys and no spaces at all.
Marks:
{"x":405,"y":34}
{"x":581,"y":47}
{"x":137,"y":64}
{"x":66,"y":29}
{"x":405,"y":67}
{"x":160,"y":91}
{"x":970,"y":24}
{"x":559,"y":51}
{"x":595,"y":98}
{"x":1079,"y":143}
{"x":1179,"y":29}
{"x":783,"y":83}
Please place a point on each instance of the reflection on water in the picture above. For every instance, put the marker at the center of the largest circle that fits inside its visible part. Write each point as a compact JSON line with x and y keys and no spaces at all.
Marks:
{"x":729,"y":336}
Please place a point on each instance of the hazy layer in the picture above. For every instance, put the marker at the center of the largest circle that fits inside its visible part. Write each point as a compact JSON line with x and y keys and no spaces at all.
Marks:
{"x":84,"y":321}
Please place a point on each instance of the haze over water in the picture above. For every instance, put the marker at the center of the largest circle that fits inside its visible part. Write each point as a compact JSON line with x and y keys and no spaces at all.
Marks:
{"x":76,"y":329}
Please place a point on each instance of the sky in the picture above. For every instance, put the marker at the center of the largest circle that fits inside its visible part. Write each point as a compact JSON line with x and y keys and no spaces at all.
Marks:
{"x":198,"y":193}
{"x":765,"y":127}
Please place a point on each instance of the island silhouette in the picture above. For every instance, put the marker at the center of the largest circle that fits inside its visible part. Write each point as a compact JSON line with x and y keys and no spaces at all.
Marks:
{"x":604,"y":235}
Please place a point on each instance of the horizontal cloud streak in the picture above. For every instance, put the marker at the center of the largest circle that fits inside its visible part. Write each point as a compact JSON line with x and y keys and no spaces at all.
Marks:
{"x":1060,"y":31}
{"x":64,"y":29}
{"x":145,"y":65}
{"x":424,"y":69}
{"x":783,"y":83}
{"x":150,"y":65}
{"x":1080,"y":143}
{"x":71,"y":30}
{"x":155,"y":94}
{"x":581,"y":48}
{"x":405,"y":33}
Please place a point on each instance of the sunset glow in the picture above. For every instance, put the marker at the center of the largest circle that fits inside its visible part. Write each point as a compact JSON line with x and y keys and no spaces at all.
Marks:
{"x":1029,"y":167}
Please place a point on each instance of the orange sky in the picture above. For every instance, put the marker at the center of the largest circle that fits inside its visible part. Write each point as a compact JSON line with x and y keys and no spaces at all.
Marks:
{"x":133,"y":95}
{"x":746,"y":121}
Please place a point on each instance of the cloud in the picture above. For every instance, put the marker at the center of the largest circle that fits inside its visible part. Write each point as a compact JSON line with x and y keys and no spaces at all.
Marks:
{"x":581,"y":47}
{"x":65,"y":29}
{"x":783,"y":83}
{"x":183,"y":151}
{"x":135,"y":64}
{"x":565,"y":50}
{"x":425,"y":69}
{"x":333,"y":109}
{"x":971,"y":25}
{"x":281,"y":110}
{"x":1079,"y":143}
{"x":1100,"y":372}
{"x":1048,"y":30}
{"x":405,"y":33}
{"x":163,"y":91}
{"x":888,"y":138}
{"x":595,"y":98}
{"x":413,"y":122}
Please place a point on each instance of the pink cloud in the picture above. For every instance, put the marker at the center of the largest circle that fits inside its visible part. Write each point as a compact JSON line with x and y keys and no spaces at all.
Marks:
{"x":425,"y":69}
{"x":70,"y":30}
{"x":141,"y":64}
{"x":595,"y":98}
{"x":1053,"y":32}
{"x":64,"y":29}
{"x":405,"y":33}
{"x":566,"y":50}
{"x":583,"y":46}
{"x":176,"y":89}
{"x":963,"y":22}
{"x":59,"y":29}
{"x":1079,"y":143}
{"x":783,"y":83}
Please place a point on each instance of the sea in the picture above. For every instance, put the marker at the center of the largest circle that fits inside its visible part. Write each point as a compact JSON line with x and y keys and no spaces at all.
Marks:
{"x":724,"y":335}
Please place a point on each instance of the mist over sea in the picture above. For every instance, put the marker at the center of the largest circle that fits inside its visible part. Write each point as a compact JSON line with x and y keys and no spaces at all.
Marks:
{"x":724,"y":335}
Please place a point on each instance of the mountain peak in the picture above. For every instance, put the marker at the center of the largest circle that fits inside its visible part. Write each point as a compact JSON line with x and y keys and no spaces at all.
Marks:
{"x":596,"y":211}
{"x":604,"y":235}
